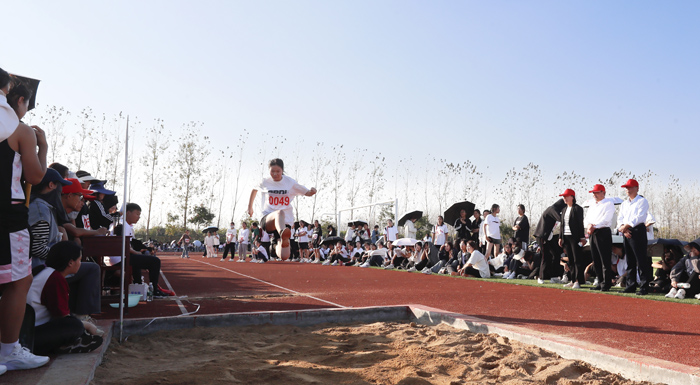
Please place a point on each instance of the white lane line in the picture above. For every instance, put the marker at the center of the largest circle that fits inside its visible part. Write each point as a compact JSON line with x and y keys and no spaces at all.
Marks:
{"x":177,"y":299}
{"x":271,"y":284}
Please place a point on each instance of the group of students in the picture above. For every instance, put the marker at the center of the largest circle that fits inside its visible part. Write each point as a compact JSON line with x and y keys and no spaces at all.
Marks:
{"x":44,"y":219}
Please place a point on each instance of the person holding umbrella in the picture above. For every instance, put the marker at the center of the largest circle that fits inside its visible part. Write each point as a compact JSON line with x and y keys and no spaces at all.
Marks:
{"x":463,"y":226}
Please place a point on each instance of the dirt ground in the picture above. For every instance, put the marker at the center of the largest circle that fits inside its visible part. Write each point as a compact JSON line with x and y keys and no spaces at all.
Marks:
{"x":378,"y":353}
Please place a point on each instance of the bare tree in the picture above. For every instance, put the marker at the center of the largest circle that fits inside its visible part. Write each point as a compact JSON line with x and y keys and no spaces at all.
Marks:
{"x":319,"y":163}
{"x":354,"y":179}
{"x":87,"y":122}
{"x":189,"y":161}
{"x":375,"y":183}
{"x":156,"y":145}
{"x":53,"y":120}
{"x":337,"y":174}
{"x":242,"y":139}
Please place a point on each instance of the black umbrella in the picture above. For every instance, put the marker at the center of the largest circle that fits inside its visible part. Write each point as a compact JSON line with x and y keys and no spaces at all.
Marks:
{"x":656,"y":247}
{"x":410,"y":215}
{"x":452,"y":214}
{"x":33,"y":85}
{"x":210,"y":228}
{"x":332,"y":240}
{"x":357,"y":223}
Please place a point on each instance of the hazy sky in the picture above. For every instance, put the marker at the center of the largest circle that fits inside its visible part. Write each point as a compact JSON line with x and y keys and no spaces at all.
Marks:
{"x":591,"y":86}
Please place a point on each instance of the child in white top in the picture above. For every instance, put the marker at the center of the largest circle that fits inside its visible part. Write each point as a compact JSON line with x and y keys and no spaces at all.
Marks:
{"x":279,"y":192}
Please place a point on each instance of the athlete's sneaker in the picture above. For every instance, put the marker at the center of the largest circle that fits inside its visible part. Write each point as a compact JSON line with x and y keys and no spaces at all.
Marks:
{"x":85,"y":344}
{"x":412,"y":270}
{"x":3,"y":369}
{"x":21,"y":358}
{"x":680,"y":294}
{"x":672,"y":293}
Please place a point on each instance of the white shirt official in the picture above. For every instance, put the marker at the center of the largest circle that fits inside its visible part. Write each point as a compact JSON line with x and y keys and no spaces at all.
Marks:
{"x":600,"y":214}
{"x":633,"y":212}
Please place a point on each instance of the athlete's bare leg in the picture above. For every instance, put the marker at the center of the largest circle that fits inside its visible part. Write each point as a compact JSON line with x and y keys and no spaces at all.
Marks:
{"x":276,"y":221}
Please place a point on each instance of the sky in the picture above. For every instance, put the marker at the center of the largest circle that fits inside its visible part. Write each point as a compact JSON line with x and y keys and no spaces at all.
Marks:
{"x":589,"y":86}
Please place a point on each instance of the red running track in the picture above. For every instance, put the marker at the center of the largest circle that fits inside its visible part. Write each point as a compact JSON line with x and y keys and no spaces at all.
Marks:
{"x":663,"y":330}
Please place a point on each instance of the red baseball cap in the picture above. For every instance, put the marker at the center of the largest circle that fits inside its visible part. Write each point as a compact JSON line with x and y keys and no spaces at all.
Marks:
{"x":598,"y":188}
{"x":75,"y":187}
{"x":631,"y":183}
{"x":568,"y":193}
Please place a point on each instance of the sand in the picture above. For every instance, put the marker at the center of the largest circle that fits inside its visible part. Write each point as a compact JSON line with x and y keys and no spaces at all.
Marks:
{"x":378,"y":353}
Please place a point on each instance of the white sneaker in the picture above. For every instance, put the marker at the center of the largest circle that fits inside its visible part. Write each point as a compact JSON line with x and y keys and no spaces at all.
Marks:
{"x":389,"y":267}
{"x":576,"y":285}
{"x":334,"y":263}
{"x":565,"y":279}
{"x":522,"y":276}
{"x":327,"y":263}
{"x":21,"y":358}
{"x":366,"y":264}
{"x":683,"y":285}
{"x":697,"y":296}
{"x":222,"y":260}
{"x":555,"y":280}
{"x":511,"y":276}
{"x":505,"y":275}
{"x":540,"y":281}
{"x":596,"y":282}
{"x":412,"y":270}
{"x":232,"y":260}
{"x":570,"y":284}
{"x":672,"y":293}
{"x":427,"y":271}
{"x":3,"y":369}
{"x":680,"y":294}
{"x":498,"y":275}
{"x":317,"y":261}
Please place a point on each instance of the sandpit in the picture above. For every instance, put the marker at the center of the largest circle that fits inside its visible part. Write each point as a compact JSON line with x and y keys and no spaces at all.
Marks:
{"x":377,"y":353}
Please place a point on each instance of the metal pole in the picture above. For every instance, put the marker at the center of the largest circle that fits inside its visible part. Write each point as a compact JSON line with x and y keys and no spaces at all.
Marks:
{"x":396,"y":210}
{"x":121,"y":301}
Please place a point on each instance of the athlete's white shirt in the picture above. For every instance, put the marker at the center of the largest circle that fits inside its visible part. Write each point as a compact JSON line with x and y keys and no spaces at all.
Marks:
{"x":279,"y":196}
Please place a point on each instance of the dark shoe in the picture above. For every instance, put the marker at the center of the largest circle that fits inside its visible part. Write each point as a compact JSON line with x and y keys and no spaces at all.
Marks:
{"x":630,"y":289}
{"x":157,"y":293}
{"x":605,"y":288}
{"x":643,"y":291}
{"x":597,"y":287}
{"x":84,"y":344}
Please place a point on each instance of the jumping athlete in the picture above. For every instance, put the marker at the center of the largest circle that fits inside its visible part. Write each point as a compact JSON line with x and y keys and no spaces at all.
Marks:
{"x":279,"y":192}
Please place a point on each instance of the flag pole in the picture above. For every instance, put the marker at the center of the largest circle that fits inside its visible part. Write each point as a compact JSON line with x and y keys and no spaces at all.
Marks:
{"x":123,"y":212}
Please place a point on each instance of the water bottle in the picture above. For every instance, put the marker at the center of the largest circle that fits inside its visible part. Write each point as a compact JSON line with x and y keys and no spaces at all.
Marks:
{"x":149,"y":296}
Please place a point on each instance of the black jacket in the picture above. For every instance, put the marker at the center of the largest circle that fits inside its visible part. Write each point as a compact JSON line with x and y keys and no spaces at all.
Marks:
{"x":523,"y":234}
{"x":463,"y":229}
{"x":575,"y":222}
{"x":549,"y":218}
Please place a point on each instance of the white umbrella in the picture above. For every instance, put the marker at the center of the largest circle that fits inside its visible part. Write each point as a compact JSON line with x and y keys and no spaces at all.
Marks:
{"x":405,"y":242}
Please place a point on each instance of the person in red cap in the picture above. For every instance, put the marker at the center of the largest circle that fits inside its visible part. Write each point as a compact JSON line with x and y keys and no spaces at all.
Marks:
{"x":597,"y":222}
{"x":572,"y":237}
{"x":73,"y":198}
{"x":548,"y":241}
{"x":630,"y":221}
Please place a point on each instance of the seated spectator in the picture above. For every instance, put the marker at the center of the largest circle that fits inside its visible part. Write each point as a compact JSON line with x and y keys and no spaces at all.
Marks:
{"x":337,"y":255}
{"x":476,"y":266}
{"x":137,"y":261}
{"x":398,"y":258}
{"x":618,"y":264}
{"x":355,"y":254}
{"x":499,"y":263}
{"x":424,"y":263}
{"x":43,"y":225}
{"x":377,"y":257}
{"x":83,"y":219}
{"x":523,"y":265}
{"x":448,"y":261}
{"x":684,"y":275}
{"x":56,"y":330}
{"x":98,"y":214}
{"x":72,"y":201}
{"x":259,"y":253}
{"x":321,"y":253}
{"x":662,"y":278}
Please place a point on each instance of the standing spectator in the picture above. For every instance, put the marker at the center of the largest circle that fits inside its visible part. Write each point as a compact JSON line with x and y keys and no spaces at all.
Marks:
{"x":375,"y":234}
{"x":19,"y":160}
{"x":572,"y":237}
{"x":493,"y":232}
{"x":209,"y":245}
{"x":350,"y":234}
{"x":243,"y":239}
{"x":440,"y":232}
{"x":332,"y":232}
{"x":184,"y":242}
{"x":463,"y":226}
{"x":521,"y":226}
{"x":631,"y":222}
{"x":482,"y":232}
{"x":390,"y":231}
{"x":303,"y":239}
{"x":217,"y":242}
{"x":230,"y":242}
{"x":255,"y":232}
{"x":410,"y":228}
{"x":545,"y":239}
{"x":475,"y":225}
{"x":317,"y":236}
{"x":598,"y":220}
